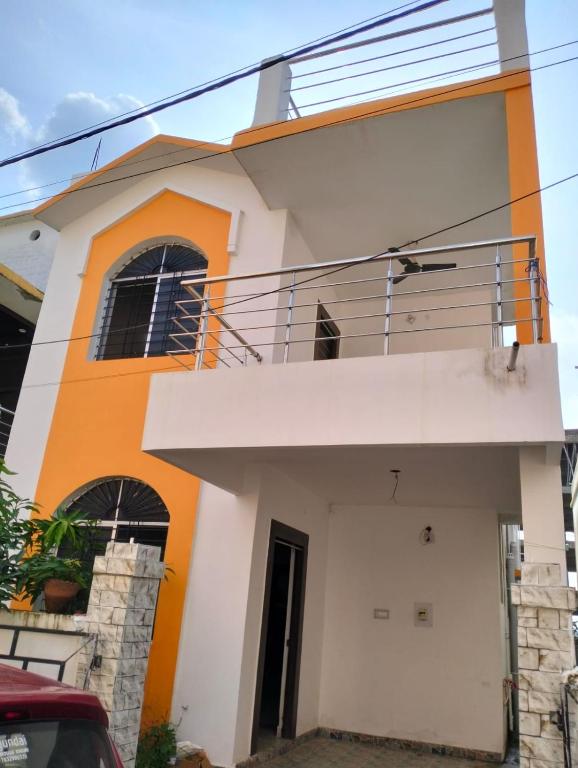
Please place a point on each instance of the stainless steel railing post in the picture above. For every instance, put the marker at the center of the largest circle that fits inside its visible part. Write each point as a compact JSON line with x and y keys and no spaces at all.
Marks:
{"x":388,"y":306}
{"x":202,"y":335}
{"x":499,"y":327}
{"x":290,"y":304}
{"x":534,"y":278}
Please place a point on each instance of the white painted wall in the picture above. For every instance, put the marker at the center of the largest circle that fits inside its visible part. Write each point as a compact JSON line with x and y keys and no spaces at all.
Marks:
{"x":31,"y":259}
{"x":207,"y":680}
{"x":436,"y":398}
{"x":542,"y":507}
{"x":387,"y":677}
{"x":284,"y":500}
{"x":219,"y":646}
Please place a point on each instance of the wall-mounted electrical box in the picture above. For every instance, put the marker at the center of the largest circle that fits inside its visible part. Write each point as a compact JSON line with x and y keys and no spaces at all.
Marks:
{"x":423,"y":614}
{"x":381,"y":613}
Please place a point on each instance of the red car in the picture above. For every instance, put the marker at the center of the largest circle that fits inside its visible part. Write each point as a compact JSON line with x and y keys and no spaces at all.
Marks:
{"x":45,"y":724}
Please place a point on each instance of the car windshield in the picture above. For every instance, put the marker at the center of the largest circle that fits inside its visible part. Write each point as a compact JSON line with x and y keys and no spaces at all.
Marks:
{"x":55,"y":744}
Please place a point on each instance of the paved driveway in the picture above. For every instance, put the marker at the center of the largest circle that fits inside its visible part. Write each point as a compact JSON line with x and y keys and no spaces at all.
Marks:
{"x":330,"y":753}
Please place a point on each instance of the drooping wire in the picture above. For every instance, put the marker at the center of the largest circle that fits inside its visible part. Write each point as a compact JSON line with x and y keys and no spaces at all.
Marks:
{"x":208,"y":82}
{"x":256,"y":129}
{"x":217,"y":85}
{"x":373,"y":256}
{"x":376,"y":111}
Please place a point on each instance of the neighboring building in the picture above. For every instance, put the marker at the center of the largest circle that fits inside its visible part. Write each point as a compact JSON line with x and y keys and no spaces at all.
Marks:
{"x":568,"y":468}
{"x":26,"y":250}
{"x":331,"y":480}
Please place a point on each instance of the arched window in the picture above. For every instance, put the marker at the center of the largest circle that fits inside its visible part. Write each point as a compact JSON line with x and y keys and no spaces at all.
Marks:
{"x":141,"y":300}
{"x":127,"y":509}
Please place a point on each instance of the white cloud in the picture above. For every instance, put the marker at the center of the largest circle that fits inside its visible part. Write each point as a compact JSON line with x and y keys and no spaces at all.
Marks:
{"x":565,"y":334}
{"x":12,"y":121}
{"x":82,"y":109}
{"x":75,"y":112}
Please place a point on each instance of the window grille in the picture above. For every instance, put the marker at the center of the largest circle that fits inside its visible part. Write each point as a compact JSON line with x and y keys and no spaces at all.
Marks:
{"x":126,"y":509}
{"x":140,"y":304}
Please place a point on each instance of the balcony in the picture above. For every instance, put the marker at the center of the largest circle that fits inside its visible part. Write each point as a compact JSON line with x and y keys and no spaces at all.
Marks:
{"x":422,"y":360}
{"x":467,"y":295}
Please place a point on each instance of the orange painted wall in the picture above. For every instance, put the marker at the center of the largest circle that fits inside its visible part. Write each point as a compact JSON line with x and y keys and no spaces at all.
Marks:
{"x":99,"y":416}
{"x":527,"y":214}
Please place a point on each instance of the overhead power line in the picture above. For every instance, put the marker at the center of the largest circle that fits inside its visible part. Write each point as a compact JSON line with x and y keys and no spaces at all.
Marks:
{"x":375,"y":111}
{"x":221,"y":83}
{"x":294,"y":77}
{"x":392,"y":249}
{"x":241,"y":69}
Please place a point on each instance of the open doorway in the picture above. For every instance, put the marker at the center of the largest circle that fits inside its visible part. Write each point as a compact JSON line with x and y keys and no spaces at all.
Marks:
{"x":275,"y":714}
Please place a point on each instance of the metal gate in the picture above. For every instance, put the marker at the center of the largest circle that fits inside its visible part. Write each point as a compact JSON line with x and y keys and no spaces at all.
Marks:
{"x":568,"y":720}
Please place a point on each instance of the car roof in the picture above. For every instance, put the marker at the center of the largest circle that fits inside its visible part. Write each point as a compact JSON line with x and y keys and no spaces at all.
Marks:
{"x":40,"y":698}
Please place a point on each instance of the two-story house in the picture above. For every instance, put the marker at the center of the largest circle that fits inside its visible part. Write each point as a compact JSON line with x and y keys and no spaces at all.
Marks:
{"x":289,"y":362}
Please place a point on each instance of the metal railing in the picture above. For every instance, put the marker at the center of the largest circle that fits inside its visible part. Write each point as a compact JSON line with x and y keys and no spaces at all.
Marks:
{"x":422,"y":48}
{"x":6,"y":421}
{"x":373,"y":310}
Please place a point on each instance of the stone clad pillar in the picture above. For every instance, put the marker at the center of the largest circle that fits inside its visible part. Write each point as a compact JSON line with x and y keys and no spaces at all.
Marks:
{"x":545,"y":650}
{"x":121,"y":613}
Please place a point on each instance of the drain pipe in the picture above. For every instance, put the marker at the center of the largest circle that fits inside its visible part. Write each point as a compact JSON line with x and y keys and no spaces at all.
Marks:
{"x":513,"y":357}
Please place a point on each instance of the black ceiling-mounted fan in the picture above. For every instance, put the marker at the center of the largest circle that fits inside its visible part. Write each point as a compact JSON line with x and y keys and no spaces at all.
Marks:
{"x":412,"y":267}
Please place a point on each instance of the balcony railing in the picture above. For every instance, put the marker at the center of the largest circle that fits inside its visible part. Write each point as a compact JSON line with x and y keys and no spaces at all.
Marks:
{"x":6,"y":419}
{"x":480,"y":294}
{"x":421,"y":48}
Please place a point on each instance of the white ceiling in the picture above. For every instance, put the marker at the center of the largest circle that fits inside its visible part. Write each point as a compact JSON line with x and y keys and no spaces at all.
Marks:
{"x":363,"y":186}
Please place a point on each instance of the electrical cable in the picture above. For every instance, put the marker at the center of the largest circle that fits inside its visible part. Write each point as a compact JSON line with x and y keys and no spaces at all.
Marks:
{"x":258,"y":128}
{"x":208,"y":82}
{"x":461,"y":223}
{"x":373,"y":256}
{"x":221,"y":83}
{"x":294,"y":77}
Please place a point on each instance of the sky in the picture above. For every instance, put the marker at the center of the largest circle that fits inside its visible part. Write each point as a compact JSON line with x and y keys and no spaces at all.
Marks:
{"x":72,"y":63}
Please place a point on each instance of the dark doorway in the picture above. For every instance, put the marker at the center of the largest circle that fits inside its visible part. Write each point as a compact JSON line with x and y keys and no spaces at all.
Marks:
{"x":327,"y":336}
{"x":275,"y":714}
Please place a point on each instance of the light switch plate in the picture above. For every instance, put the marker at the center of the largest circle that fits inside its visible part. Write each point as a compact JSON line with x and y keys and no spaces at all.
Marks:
{"x":423,"y":614}
{"x":381,"y":613}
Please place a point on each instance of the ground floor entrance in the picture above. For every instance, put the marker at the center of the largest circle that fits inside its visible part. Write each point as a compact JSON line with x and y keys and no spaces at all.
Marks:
{"x":277,"y":687}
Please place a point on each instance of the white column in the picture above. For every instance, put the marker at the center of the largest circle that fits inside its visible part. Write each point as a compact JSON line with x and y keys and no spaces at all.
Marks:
{"x":542,"y":509}
{"x":511,"y":31}
{"x":273,"y":94}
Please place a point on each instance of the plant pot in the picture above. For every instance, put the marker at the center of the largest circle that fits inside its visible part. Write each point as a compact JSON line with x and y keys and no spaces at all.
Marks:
{"x":58,"y":593}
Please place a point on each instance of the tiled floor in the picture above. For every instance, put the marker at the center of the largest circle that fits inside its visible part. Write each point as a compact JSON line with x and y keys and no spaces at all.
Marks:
{"x":330,"y":753}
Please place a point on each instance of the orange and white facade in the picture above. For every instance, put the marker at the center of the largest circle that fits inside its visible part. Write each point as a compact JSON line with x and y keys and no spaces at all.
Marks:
{"x":416,"y":423}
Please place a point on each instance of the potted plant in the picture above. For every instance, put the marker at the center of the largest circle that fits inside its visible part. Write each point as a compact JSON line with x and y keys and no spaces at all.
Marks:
{"x":57,"y":564}
{"x":59,"y":579}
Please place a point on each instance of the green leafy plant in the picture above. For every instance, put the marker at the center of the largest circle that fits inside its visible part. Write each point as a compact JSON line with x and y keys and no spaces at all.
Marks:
{"x":16,"y":533}
{"x":157,"y":746}
{"x":70,"y":529}
{"x":37,"y":569}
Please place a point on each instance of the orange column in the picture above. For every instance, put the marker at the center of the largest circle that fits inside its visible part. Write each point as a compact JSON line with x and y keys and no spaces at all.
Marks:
{"x":526,"y":215}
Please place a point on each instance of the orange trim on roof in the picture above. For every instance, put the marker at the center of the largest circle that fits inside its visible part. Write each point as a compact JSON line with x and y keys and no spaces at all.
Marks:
{"x":407,"y":101}
{"x":161,"y":138}
{"x":263,"y":133}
